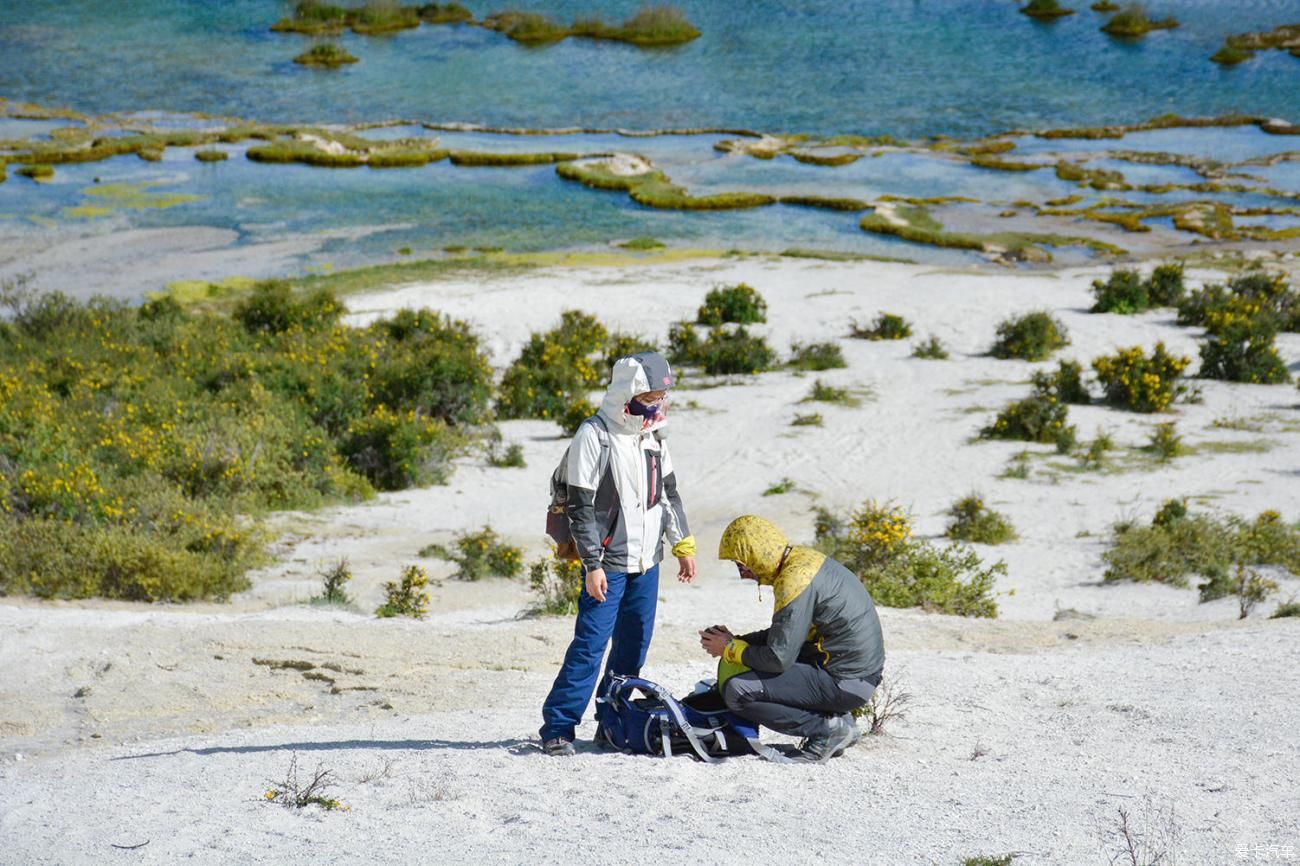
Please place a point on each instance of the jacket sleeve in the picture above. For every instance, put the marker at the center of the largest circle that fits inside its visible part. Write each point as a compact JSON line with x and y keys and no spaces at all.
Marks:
{"x":785,"y":637}
{"x":676,"y":526}
{"x":584,"y":478}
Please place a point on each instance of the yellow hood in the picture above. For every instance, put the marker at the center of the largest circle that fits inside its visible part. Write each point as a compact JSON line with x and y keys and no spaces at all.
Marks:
{"x":755,"y":543}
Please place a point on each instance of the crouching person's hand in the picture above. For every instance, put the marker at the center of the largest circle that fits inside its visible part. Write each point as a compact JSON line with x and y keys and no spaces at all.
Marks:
{"x":597,"y":584}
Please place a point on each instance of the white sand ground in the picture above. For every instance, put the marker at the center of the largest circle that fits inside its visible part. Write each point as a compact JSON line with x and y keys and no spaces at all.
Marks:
{"x":1025,"y":734}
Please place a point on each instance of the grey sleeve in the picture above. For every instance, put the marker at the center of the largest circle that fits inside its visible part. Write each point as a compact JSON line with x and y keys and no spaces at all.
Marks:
{"x":786,"y":636}
{"x":584,"y":479}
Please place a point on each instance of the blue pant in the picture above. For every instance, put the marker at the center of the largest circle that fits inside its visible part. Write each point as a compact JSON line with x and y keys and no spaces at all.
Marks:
{"x":628,"y":615}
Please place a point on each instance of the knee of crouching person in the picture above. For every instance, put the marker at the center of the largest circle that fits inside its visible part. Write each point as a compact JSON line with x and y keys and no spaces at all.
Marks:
{"x":736,"y":693}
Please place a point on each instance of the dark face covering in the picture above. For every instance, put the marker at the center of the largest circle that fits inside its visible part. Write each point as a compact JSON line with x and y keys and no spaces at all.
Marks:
{"x":636,"y":407}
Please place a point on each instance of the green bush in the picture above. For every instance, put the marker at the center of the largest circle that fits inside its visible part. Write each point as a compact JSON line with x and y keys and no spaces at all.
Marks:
{"x":622,"y":345}
{"x":557,"y":585}
{"x":1095,"y":455}
{"x":395,"y":451}
{"x":887,"y":326}
{"x":740,"y":303}
{"x":1065,"y":383}
{"x":480,"y":554}
{"x":1286,"y":609}
{"x":407,"y":597}
{"x":503,"y":456}
{"x":1031,"y":337}
{"x":555,"y":369}
{"x":1124,"y":292}
{"x":1165,"y":442}
{"x":1239,"y":345}
{"x":876,"y":543}
{"x":273,"y":308}
{"x":334,"y":581}
{"x":1165,"y":286}
{"x":433,"y":365}
{"x":724,"y":351}
{"x":1255,"y":293}
{"x":1177,"y":544}
{"x":824,"y":393}
{"x":1040,"y":417}
{"x":817,"y":356}
{"x":1132,"y":380}
{"x":974,"y":521}
{"x":931,"y":349}
{"x":574,"y":414}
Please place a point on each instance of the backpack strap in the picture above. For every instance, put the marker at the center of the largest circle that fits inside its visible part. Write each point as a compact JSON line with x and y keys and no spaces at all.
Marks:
{"x":675,"y":712}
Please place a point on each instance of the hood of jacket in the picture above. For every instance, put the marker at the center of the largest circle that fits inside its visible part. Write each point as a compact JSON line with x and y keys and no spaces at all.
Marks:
{"x":635,"y":374}
{"x":755,"y":543}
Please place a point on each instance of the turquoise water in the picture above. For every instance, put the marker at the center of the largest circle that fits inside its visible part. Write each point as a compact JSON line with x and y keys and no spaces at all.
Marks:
{"x":905,"y":67}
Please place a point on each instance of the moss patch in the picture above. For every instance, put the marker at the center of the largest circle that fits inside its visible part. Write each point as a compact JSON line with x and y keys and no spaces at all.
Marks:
{"x":1241,"y":47}
{"x":107,"y":197}
{"x":326,"y":56}
{"x":652,"y":188}
{"x":1133,"y":23}
{"x":917,"y":225}
{"x":480,"y":158}
{"x":825,"y":202}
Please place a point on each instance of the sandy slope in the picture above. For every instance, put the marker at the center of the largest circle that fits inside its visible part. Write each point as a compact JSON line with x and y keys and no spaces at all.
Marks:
{"x":184,"y":723}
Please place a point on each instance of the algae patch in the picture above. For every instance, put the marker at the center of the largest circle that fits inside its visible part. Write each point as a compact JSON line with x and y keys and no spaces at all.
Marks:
{"x":105,"y":198}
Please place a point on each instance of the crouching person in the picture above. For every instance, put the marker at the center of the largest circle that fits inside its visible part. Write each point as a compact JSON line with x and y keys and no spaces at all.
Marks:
{"x":821,"y":658}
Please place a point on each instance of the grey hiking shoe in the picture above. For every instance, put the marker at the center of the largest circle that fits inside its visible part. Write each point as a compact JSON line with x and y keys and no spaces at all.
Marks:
{"x":853,"y":740}
{"x":558,"y":747}
{"x":839,"y":736}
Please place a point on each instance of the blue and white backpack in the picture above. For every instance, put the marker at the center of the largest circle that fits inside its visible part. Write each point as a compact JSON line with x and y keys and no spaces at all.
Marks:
{"x":639,"y":717}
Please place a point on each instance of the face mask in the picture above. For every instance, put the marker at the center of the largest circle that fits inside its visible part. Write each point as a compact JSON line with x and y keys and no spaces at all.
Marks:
{"x":636,"y":407}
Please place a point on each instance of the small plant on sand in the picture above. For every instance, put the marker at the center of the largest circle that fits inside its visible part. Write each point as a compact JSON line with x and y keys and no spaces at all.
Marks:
{"x":480,"y":554}
{"x":407,"y":597}
{"x":1135,"y":381}
{"x":1165,"y":443}
{"x":888,"y":704}
{"x":1288,"y":608}
{"x":1094,"y":457}
{"x":503,"y":456}
{"x":1045,"y":9}
{"x":1065,"y":383}
{"x":294,"y":792}
{"x":877,"y":543}
{"x":740,"y":304}
{"x":813,"y":419}
{"x":785,"y":485}
{"x":932,"y":349}
{"x":1018,"y":467}
{"x":824,"y":393}
{"x":816,"y":356}
{"x":557,"y":584}
{"x":1148,"y":838}
{"x":1132,"y":23}
{"x":334,"y":581}
{"x":1040,"y":417}
{"x":987,"y":860}
{"x":327,"y":55}
{"x":974,"y":521}
{"x":1031,"y":337}
{"x":887,"y":326}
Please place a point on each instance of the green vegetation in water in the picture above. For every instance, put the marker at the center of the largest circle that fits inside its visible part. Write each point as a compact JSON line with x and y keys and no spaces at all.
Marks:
{"x":37,"y":172}
{"x":211,"y":155}
{"x":1104,"y":6}
{"x":825,"y":202}
{"x":877,"y":543}
{"x":652,"y":188}
{"x":309,"y":149}
{"x":140,"y":444}
{"x":653,"y":26}
{"x":1241,"y":47}
{"x":643,"y":244}
{"x":373,"y":18}
{"x":104,"y":198}
{"x":916,"y":225}
{"x":327,"y":55}
{"x":1132,"y":22}
{"x":1045,"y":9}
{"x":475,"y":159}
{"x":992,"y":162}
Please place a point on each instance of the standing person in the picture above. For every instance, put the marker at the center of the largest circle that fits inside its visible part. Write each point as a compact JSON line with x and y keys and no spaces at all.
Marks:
{"x":622,"y":502}
{"x":821,"y":658}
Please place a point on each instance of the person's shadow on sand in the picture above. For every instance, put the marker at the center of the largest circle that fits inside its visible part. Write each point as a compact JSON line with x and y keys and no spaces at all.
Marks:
{"x":514,"y":746}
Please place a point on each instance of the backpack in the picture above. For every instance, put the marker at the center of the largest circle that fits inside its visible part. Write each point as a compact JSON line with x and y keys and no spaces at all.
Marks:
{"x":638,"y":717}
{"x":557,"y":518}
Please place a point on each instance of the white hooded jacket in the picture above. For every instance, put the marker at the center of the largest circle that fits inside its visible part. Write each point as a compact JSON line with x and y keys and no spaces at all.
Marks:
{"x":619,"y":519}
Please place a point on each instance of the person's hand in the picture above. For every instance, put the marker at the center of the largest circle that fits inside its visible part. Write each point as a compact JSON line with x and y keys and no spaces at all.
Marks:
{"x":714,"y":639}
{"x":686,"y":568}
{"x":597,"y":584}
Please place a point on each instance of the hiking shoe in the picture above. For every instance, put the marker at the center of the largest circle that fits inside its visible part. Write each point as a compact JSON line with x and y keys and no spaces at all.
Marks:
{"x":818,"y":750}
{"x":853,"y":740}
{"x":558,"y":747}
